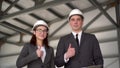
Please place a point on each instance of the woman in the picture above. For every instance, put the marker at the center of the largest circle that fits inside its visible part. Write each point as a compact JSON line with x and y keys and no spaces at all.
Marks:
{"x":37,"y":53}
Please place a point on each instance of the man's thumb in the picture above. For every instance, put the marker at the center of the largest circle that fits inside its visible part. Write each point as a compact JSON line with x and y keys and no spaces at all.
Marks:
{"x":69,"y":45}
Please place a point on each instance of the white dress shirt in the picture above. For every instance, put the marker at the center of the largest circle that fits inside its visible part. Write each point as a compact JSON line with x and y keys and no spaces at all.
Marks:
{"x":79,"y":35}
{"x":44,"y":52}
{"x":79,"y":38}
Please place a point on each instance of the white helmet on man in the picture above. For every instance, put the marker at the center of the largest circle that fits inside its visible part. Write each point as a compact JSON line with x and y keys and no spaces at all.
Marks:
{"x":75,"y":12}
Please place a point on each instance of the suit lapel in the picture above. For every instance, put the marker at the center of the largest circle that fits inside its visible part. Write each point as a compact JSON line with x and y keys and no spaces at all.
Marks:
{"x":82,"y":39}
{"x":73,"y":41}
{"x":35,"y":48}
{"x":47,"y":55}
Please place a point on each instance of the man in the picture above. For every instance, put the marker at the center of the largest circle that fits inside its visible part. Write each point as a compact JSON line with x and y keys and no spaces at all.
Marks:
{"x":78,"y":49}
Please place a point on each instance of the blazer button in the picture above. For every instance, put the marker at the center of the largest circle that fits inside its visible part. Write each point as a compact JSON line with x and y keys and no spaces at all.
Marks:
{"x":42,"y":66}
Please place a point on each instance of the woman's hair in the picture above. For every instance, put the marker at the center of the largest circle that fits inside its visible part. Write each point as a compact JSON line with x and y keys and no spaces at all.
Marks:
{"x":33,"y":39}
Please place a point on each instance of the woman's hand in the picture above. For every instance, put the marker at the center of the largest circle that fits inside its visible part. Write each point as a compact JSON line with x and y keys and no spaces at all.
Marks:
{"x":39,"y":52}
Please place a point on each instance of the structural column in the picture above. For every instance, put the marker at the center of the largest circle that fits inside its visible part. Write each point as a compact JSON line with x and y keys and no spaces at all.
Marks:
{"x":117,"y":7}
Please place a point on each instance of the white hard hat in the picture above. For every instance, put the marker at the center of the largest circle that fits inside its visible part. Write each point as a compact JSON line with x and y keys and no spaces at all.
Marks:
{"x":40,"y":22}
{"x":74,"y":12}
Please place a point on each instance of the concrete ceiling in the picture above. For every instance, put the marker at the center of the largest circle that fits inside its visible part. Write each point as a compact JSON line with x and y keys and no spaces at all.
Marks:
{"x":18,"y":16}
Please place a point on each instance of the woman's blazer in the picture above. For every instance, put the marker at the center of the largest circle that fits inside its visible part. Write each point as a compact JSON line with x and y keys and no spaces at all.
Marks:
{"x":28,"y":56}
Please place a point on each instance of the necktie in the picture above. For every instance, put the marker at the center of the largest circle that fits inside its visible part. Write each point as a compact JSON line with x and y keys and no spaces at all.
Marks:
{"x":77,"y":39}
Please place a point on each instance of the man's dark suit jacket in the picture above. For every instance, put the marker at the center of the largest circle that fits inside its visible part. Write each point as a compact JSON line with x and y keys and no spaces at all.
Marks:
{"x":87,"y":54}
{"x":29,"y":57}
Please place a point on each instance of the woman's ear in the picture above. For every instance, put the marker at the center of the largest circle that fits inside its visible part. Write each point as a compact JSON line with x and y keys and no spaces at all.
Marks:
{"x":34,"y":32}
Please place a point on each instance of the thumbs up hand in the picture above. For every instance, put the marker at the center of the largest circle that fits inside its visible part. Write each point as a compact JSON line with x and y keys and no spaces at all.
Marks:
{"x":39,"y":52}
{"x":70,"y":52}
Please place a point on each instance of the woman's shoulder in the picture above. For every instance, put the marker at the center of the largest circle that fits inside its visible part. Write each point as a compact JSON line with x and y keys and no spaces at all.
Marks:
{"x":28,"y":44}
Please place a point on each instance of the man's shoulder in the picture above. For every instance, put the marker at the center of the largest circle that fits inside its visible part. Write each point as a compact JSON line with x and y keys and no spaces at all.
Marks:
{"x":87,"y":34}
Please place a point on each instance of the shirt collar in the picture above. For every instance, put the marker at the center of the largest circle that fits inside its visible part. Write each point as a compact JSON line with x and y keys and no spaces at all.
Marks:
{"x":79,"y":34}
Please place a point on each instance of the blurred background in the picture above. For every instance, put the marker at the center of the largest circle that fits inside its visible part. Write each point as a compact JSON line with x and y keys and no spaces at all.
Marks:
{"x":102,"y":18}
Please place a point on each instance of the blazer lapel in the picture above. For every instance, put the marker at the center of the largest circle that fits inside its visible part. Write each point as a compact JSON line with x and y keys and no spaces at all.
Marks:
{"x":82,"y":39}
{"x":35,"y":48}
{"x":73,"y":41}
{"x":47,"y":55}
